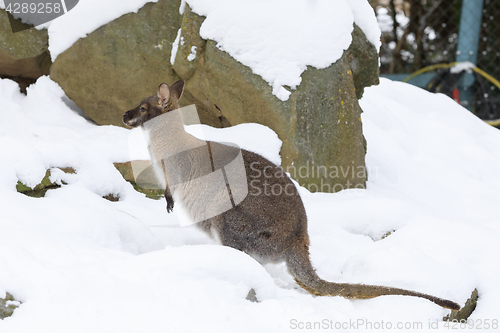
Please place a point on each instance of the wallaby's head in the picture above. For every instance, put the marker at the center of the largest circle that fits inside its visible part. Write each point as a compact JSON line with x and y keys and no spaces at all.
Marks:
{"x":165,"y":100}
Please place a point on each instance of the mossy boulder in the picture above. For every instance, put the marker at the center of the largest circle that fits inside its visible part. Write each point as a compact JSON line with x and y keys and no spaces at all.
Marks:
{"x":23,"y":55}
{"x":115,"y":67}
{"x":320,"y":124}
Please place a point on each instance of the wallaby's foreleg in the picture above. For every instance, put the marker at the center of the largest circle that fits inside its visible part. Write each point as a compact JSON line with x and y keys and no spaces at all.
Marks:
{"x":168,"y":195}
{"x":170,"y":200}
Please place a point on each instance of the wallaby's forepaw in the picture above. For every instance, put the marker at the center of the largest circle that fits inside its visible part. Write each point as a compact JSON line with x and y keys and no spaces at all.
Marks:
{"x":169,"y":199}
{"x":170,"y":205}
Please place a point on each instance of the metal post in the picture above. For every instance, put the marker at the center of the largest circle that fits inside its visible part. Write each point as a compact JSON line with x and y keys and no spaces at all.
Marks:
{"x":468,"y":44}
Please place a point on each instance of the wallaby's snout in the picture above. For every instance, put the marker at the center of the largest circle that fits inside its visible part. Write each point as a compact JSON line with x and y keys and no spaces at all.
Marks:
{"x":166,"y":99}
{"x":132,"y":118}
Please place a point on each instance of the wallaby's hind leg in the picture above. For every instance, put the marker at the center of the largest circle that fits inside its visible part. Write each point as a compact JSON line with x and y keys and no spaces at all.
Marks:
{"x":252,"y":232}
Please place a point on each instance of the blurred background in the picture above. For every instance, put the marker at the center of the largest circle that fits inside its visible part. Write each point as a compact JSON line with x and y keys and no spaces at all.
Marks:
{"x":447,"y":46}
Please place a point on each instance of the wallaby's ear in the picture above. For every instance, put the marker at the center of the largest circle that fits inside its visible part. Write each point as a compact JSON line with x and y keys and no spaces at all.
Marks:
{"x":176,"y":89}
{"x":163,"y":94}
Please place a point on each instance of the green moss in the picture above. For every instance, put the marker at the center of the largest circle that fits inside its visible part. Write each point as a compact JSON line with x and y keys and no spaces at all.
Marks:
{"x":152,"y":194}
{"x":39,"y":190}
{"x":127,"y":173}
{"x":7,"y":307}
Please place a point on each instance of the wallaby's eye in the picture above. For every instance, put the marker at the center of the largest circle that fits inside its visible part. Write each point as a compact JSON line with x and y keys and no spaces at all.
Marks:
{"x":143,"y":109}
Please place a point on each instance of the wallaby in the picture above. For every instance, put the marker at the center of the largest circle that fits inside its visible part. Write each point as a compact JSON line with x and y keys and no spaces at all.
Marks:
{"x":271,"y":228}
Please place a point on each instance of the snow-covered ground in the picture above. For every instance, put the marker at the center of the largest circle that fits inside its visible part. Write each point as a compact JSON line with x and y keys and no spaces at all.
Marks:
{"x":80,"y":263}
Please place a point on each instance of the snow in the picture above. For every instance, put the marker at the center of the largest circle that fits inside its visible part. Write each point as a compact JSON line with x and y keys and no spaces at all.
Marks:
{"x":457,"y":178}
{"x":192,"y":55}
{"x":175,"y":46}
{"x":253,"y":137}
{"x":462,"y":66}
{"x":80,"y":263}
{"x":365,"y":18}
{"x":182,"y":7}
{"x":385,"y":20}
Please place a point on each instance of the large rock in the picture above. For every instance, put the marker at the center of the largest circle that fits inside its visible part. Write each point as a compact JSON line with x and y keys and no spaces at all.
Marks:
{"x":320,"y":125}
{"x":23,"y":55}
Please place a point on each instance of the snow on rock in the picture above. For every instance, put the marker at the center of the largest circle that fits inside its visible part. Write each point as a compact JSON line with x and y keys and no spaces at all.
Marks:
{"x":253,"y":137}
{"x":175,"y":47}
{"x":85,"y":17}
{"x":365,"y":18}
{"x":192,"y":55}
{"x":278,"y":39}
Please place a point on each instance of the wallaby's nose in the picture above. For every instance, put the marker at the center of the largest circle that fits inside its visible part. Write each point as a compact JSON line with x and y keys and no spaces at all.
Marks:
{"x":126,"y":118}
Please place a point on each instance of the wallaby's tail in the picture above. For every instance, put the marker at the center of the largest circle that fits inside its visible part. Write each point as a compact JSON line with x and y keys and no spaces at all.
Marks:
{"x":300,"y":268}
